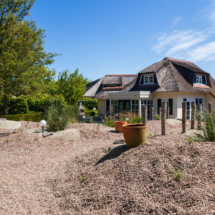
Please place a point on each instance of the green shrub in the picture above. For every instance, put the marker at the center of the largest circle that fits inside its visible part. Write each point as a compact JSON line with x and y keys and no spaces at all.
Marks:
{"x":89,"y":103}
{"x":58,"y":117}
{"x":137,"y":119}
{"x":91,"y":113}
{"x":208,"y":128}
{"x":16,"y":105}
{"x":157,"y":117}
{"x":109,"y":123}
{"x":26,"y":117}
{"x":42,"y":104}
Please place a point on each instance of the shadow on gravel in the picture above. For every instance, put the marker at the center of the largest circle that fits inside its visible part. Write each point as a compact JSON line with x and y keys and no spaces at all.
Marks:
{"x":112,"y":152}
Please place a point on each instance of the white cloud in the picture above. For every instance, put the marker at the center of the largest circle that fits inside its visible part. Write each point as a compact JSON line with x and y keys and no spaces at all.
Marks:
{"x":204,"y":52}
{"x":178,"y":41}
{"x":189,"y":45}
{"x":176,"y":21}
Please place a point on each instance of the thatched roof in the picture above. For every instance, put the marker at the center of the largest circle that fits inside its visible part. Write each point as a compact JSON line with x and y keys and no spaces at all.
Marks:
{"x":98,"y":92}
{"x":172,"y":75}
{"x":93,"y":89}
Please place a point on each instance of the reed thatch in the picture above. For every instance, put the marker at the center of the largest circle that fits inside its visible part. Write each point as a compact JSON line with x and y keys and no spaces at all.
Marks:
{"x":172,"y":75}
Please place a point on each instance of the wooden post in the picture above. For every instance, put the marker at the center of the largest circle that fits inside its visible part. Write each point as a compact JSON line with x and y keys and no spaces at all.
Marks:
{"x":199,"y":116}
{"x":163,"y":118}
{"x":184,"y":117}
{"x":193,"y":116}
{"x":144,"y":114}
{"x":209,"y":107}
{"x":151,"y":113}
{"x":160,"y":109}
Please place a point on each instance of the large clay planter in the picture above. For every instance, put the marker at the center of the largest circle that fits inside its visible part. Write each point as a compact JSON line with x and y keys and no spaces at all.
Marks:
{"x":118,"y":125}
{"x":135,"y":134}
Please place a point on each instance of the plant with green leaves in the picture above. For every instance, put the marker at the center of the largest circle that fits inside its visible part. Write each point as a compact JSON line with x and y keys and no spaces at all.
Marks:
{"x":157,"y":117}
{"x":71,"y":85}
{"x":23,"y":60}
{"x":208,"y":128}
{"x":177,"y":175}
{"x":58,"y":118}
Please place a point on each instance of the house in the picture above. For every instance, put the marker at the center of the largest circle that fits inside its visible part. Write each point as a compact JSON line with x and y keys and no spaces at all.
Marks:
{"x":170,"y":80}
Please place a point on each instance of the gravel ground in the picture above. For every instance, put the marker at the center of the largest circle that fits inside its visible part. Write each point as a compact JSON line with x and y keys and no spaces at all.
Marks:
{"x":43,"y":176}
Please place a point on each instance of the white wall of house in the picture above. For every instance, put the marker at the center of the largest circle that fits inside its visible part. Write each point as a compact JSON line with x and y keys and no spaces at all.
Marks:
{"x":177,"y":101}
{"x":210,"y":98}
{"x":165,"y":97}
{"x":102,"y":106}
{"x":189,"y":96}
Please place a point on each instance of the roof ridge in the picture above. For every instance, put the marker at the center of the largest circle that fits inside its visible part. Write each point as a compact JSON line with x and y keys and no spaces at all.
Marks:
{"x":173,"y":59}
{"x":123,"y":75}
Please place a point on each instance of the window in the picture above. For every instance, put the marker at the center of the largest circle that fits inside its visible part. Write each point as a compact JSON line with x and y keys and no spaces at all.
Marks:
{"x":199,"y":79}
{"x":114,"y":104}
{"x":135,"y":106}
{"x":147,"y":79}
{"x":113,"y":85}
{"x":149,"y":104}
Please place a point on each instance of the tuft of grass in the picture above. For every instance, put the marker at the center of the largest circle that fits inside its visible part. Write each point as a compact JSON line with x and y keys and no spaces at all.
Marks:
{"x":58,"y":117}
{"x":177,"y":175}
{"x":26,"y":125}
{"x":35,"y":139}
{"x":172,"y":132}
{"x":195,"y":138}
{"x":109,"y":123}
{"x":157,"y":117}
{"x":38,"y":124}
{"x":76,"y":156}
{"x":155,"y":133}
{"x":150,"y":134}
{"x":208,"y":127}
{"x":7,"y":140}
{"x":8,"y":134}
{"x":83,"y":179}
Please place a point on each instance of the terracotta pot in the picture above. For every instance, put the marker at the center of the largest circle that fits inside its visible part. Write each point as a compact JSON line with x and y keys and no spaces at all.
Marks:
{"x":118,"y":125}
{"x":135,"y":134}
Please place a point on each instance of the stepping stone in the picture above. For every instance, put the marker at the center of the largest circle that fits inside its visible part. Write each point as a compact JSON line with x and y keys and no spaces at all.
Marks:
{"x":9,"y":124}
{"x":65,"y":135}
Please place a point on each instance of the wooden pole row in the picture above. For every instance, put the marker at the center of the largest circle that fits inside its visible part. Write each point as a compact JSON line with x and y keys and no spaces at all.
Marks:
{"x":164,"y":113}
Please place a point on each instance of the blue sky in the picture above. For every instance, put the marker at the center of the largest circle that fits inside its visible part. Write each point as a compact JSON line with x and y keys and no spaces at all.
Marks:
{"x":124,"y":36}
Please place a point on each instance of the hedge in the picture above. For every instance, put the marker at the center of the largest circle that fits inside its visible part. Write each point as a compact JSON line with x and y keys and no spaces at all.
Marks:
{"x":42,"y":104}
{"x":89,"y":103}
{"x":21,"y":105}
{"x":16,"y":105}
{"x":26,"y":117}
{"x":91,"y":113}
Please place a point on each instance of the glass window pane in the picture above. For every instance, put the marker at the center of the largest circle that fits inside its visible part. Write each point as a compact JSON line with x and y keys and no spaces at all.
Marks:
{"x":151,"y":79}
{"x":146,"y":80}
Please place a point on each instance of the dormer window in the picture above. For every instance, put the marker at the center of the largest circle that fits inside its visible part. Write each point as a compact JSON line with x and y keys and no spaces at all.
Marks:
{"x":199,"y":79}
{"x":148,"y":79}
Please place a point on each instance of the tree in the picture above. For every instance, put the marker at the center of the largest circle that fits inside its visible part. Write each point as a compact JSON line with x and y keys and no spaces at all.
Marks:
{"x":71,"y":85}
{"x":23,"y":60}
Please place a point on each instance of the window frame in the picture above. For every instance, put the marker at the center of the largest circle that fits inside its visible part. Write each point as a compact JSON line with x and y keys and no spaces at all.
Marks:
{"x":201,"y":77}
{"x":147,"y":76}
